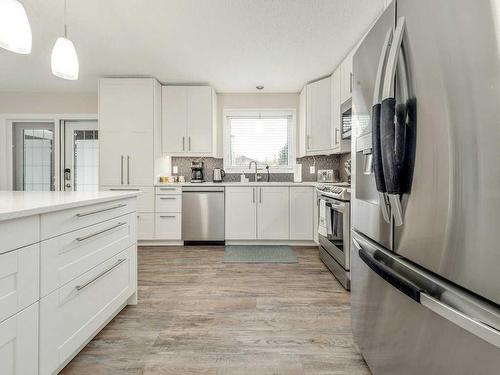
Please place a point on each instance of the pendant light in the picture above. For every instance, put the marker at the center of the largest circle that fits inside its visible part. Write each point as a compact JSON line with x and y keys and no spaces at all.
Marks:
{"x":64,"y":60}
{"x":15,"y":30}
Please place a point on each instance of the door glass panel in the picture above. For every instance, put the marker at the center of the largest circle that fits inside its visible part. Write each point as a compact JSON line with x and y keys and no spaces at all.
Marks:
{"x":33,"y":156}
{"x":85,"y":160}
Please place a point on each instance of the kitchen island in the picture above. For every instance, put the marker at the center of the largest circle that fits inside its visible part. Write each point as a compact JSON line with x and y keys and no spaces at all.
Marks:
{"x":68,"y":265}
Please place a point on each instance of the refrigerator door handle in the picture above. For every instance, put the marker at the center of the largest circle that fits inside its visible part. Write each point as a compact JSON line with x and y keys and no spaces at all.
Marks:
{"x":377,"y":156}
{"x":474,"y":326}
{"x":387,"y":273}
{"x":392,"y":60}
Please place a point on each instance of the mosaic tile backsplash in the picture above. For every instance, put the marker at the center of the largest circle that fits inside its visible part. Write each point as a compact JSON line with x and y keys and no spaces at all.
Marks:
{"x":334,"y":162}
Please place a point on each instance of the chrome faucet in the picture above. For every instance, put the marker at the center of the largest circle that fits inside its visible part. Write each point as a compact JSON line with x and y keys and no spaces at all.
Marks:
{"x":256,"y":173}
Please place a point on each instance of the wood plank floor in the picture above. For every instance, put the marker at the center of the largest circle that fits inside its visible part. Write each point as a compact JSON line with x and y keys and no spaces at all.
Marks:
{"x":197,"y":315}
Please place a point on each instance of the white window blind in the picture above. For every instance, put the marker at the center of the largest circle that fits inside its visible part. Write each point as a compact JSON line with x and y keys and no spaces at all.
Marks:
{"x":264,"y":138}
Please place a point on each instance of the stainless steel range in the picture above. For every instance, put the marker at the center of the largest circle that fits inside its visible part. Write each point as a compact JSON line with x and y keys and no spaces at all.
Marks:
{"x":333,"y":229}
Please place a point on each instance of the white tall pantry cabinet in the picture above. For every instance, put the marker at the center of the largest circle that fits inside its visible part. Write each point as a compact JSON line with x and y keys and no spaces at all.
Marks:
{"x":129,"y":126}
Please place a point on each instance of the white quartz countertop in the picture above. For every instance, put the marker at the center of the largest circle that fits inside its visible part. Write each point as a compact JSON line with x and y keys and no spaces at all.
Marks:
{"x":15,"y":204}
{"x":307,"y":183}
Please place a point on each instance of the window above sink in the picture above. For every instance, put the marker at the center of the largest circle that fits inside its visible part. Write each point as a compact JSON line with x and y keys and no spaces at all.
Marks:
{"x":264,"y":136}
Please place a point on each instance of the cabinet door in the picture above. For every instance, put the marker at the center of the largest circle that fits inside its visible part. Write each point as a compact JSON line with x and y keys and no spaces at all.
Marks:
{"x":301,"y":213}
{"x":174,"y":118}
{"x":112,"y":154}
{"x":146,"y":226}
{"x":200,"y":117}
{"x":346,"y":78}
{"x":302,"y":138}
{"x":336,"y":104}
{"x":241,"y":213}
{"x":139,"y":158}
{"x":19,"y":343}
{"x":168,"y":226}
{"x":273,"y":213}
{"x":126,"y":104}
{"x":319,"y":116}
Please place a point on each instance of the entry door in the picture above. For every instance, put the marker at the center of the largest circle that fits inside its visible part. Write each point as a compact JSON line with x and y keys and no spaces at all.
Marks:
{"x":81,"y":156}
{"x":33,"y":156}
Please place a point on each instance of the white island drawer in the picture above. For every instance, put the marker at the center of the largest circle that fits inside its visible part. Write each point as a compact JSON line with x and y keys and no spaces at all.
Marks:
{"x":73,"y":314}
{"x":59,"y":222}
{"x":19,"y":280}
{"x":20,"y":232}
{"x":19,"y":343}
{"x":68,"y":256}
{"x":145,"y":200}
{"x":169,"y":203}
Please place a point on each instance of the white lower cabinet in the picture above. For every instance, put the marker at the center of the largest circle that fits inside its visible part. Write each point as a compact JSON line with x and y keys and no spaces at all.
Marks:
{"x":74,"y":313}
{"x":145,"y":226}
{"x":168,"y":226}
{"x":269,"y":213}
{"x":19,"y":343}
{"x":241,"y":213}
{"x":301,"y":213}
{"x":273,"y":213}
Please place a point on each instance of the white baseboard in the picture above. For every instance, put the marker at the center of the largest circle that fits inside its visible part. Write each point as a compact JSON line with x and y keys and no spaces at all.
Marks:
{"x":271,"y":242}
{"x":160,"y":243}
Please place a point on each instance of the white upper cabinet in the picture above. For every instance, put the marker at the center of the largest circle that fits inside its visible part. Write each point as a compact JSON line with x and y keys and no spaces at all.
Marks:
{"x":302,"y":134}
{"x":319,"y":116}
{"x":336,"y":115}
{"x":346,"y":77}
{"x":127,"y":118}
{"x":174,"y":118}
{"x":188,"y":120}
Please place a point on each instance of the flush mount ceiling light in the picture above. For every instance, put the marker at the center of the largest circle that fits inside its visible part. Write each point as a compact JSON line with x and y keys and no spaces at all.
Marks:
{"x":260,"y":87}
{"x":64,"y":60}
{"x":15,"y":30}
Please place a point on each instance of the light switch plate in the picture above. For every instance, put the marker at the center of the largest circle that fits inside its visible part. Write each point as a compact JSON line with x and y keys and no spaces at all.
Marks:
{"x":175,"y":170}
{"x":312,"y":169}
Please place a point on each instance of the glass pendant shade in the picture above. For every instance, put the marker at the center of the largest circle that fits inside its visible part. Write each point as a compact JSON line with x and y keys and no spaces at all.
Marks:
{"x":64,"y":60}
{"x":15,"y":30}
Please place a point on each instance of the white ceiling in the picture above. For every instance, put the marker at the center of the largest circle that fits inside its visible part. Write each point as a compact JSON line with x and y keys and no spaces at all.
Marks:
{"x":233,"y":45}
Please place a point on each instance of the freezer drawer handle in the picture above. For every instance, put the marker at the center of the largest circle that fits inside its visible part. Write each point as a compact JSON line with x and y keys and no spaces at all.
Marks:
{"x":83,"y":286}
{"x":474,"y":326}
{"x":399,"y":282}
{"x":101,"y":210}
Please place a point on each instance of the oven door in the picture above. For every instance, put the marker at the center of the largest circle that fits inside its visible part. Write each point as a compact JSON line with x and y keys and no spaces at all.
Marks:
{"x":336,"y":243}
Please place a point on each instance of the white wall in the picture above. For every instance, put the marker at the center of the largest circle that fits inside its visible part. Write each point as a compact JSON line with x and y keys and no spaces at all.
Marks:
{"x":13,"y":105}
{"x":252,"y":101}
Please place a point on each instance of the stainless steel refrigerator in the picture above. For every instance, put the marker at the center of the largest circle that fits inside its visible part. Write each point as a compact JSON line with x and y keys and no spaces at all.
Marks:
{"x":425,"y":258}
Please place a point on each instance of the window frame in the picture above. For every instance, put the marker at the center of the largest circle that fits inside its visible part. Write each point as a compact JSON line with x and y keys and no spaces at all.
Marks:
{"x":227,"y":113}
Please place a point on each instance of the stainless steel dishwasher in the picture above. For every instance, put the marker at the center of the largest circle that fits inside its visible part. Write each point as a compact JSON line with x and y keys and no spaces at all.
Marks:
{"x":203,"y":214}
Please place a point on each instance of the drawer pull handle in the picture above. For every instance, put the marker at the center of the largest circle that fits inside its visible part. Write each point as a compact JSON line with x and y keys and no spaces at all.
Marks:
{"x":124,"y":189}
{"x":168,"y":188}
{"x":168,"y":216}
{"x":80,"y":239}
{"x":168,"y":198}
{"x":101,"y":210}
{"x":118,"y":262}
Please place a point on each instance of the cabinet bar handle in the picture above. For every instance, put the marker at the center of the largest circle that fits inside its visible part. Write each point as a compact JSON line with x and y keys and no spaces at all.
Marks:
{"x":80,"y":239}
{"x":100,"y":210}
{"x":128,"y":169}
{"x":260,"y":195}
{"x":350,"y":82}
{"x":189,"y":143}
{"x":183,"y":143}
{"x":253,"y":195}
{"x":121,"y":169}
{"x":124,"y":189}
{"x":168,"y":198}
{"x":118,"y":262}
{"x":168,"y":216}
{"x":170,"y":188}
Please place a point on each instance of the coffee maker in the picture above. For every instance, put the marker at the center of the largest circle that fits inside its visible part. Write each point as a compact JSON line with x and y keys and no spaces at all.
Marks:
{"x":197,"y":172}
